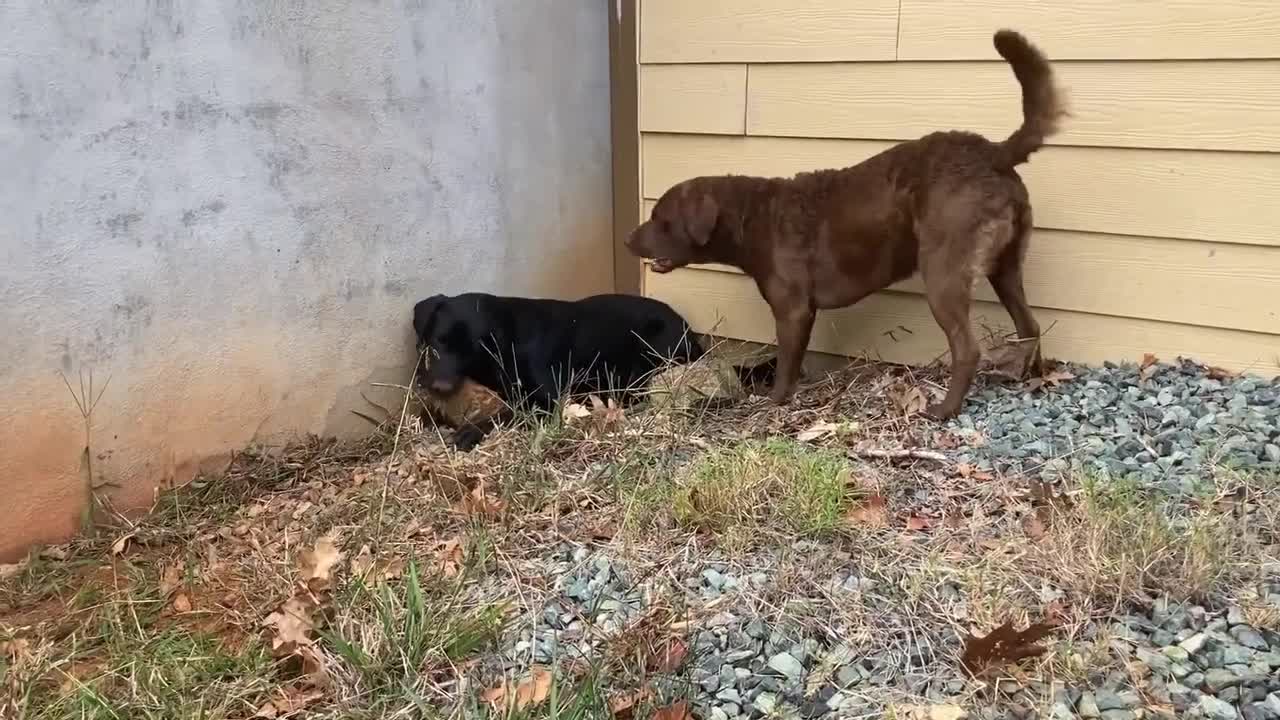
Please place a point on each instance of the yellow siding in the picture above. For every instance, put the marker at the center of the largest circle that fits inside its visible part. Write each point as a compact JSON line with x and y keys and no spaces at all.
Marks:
{"x":1092,"y":29}
{"x":1232,"y":105}
{"x":1235,"y":285}
{"x":693,"y":31}
{"x":1222,"y":197}
{"x":899,"y":328}
{"x":693,"y":98}
{"x":1157,"y":209}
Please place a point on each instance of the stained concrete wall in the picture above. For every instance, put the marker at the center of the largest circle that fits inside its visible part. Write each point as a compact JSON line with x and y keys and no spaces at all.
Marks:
{"x":229,"y":207}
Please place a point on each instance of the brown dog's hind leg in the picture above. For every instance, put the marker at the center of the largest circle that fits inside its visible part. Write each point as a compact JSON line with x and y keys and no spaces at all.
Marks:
{"x":1006,"y":280}
{"x":948,"y":290}
{"x":794,"y":323}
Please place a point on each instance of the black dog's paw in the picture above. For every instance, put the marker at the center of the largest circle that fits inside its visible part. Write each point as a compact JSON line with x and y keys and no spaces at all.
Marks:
{"x":466,"y":438}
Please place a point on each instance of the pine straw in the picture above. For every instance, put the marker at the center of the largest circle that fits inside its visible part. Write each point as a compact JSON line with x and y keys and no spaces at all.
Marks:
{"x":934,"y":551}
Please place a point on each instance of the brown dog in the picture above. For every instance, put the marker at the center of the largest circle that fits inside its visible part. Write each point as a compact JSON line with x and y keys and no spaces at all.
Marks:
{"x":949,"y":204}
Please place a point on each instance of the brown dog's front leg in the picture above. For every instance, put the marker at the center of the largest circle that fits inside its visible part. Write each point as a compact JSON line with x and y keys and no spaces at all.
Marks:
{"x":794,"y":325}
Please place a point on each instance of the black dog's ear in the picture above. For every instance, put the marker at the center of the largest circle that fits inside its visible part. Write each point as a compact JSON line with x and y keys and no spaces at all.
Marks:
{"x":423,"y":314}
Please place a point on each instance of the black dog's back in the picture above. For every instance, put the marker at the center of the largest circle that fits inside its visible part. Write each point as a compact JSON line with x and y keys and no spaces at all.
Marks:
{"x":533,"y":350}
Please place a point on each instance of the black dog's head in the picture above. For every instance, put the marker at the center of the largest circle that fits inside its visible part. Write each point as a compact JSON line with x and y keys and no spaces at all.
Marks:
{"x":444,"y":344}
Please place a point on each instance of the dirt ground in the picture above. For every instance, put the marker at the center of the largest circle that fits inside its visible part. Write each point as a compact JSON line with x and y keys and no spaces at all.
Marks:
{"x":394,"y":578}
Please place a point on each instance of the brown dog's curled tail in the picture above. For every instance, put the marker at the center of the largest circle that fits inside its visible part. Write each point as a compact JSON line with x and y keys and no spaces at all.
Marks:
{"x":1042,"y":104}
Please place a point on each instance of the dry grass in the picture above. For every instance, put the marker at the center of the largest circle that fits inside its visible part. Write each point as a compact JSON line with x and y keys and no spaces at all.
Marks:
{"x":445,"y":555}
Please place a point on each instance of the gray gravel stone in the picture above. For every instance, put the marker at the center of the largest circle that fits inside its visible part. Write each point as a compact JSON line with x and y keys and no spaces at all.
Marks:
{"x":1248,"y":637}
{"x":787,"y":665}
{"x":1257,"y":711}
{"x":1088,"y":706}
{"x":766,"y":703}
{"x":1214,"y":709}
{"x":1194,"y":643}
{"x":1109,"y":700}
{"x":1216,"y":679}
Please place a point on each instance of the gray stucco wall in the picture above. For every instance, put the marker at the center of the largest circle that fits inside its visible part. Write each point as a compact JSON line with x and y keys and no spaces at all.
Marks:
{"x":229,"y":208}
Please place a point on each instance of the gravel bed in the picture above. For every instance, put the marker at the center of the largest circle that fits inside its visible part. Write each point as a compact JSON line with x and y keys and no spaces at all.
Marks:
{"x":1167,"y":425}
{"x":1191,"y":661}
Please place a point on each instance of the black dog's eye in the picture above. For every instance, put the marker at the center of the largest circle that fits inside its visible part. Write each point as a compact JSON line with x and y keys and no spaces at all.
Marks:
{"x":665,"y":225}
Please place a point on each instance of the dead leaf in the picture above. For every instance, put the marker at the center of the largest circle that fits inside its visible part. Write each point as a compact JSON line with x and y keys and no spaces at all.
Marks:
{"x":909,"y":399}
{"x":1033,"y":526}
{"x":293,"y":624}
{"x":818,"y":430}
{"x":54,"y":552}
{"x":449,"y":557}
{"x":530,"y":691}
{"x":947,"y":441}
{"x":181,"y":603}
{"x":929,"y":712}
{"x":623,"y":706}
{"x":606,"y":416}
{"x":675,"y":711}
{"x":574,"y":412}
{"x":947,"y":712}
{"x":1003,"y":645}
{"x":170,"y":579}
{"x":393,"y":569}
{"x":916,"y":523}
{"x":8,"y":570}
{"x":17,"y":651}
{"x":477,"y":502}
{"x":1217,"y":373}
{"x":1149,"y":367}
{"x":1057,"y":377}
{"x":669,"y":657}
{"x":871,"y":513}
{"x":288,"y":702}
{"x":603,"y":530}
{"x":122,"y":543}
{"x":968,"y":471}
{"x":317,"y":564}
{"x":1056,"y":612}
{"x":1045,"y":495}
{"x":362,"y":563}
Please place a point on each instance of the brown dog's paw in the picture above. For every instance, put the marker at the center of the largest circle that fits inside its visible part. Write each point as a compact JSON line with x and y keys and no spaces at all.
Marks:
{"x":781,"y":396}
{"x":941,"y":412}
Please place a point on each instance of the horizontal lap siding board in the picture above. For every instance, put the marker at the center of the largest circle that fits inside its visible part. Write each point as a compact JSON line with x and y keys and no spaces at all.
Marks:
{"x":1179,"y":281}
{"x":700,"y":31}
{"x":1158,"y":206}
{"x":1214,"y":196}
{"x":1093,"y":29}
{"x":1203,"y":105}
{"x":899,"y":327}
{"x":693,"y":98}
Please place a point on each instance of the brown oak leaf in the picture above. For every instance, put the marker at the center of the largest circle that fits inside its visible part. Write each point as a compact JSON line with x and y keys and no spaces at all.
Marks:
{"x":675,"y":711}
{"x":872,"y":512}
{"x":530,"y":691}
{"x":669,"y":657}
{"x":1003,"y":645}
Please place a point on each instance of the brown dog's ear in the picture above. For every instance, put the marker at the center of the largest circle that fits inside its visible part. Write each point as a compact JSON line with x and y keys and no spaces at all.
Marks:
{"x":703,"y":220}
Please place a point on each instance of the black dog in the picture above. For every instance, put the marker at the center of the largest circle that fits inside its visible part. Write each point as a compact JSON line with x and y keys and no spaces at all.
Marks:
{"x":532,"y":352}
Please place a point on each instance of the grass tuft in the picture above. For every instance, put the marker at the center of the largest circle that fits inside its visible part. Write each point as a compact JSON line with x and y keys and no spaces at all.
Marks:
{"x":753,"y":486}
